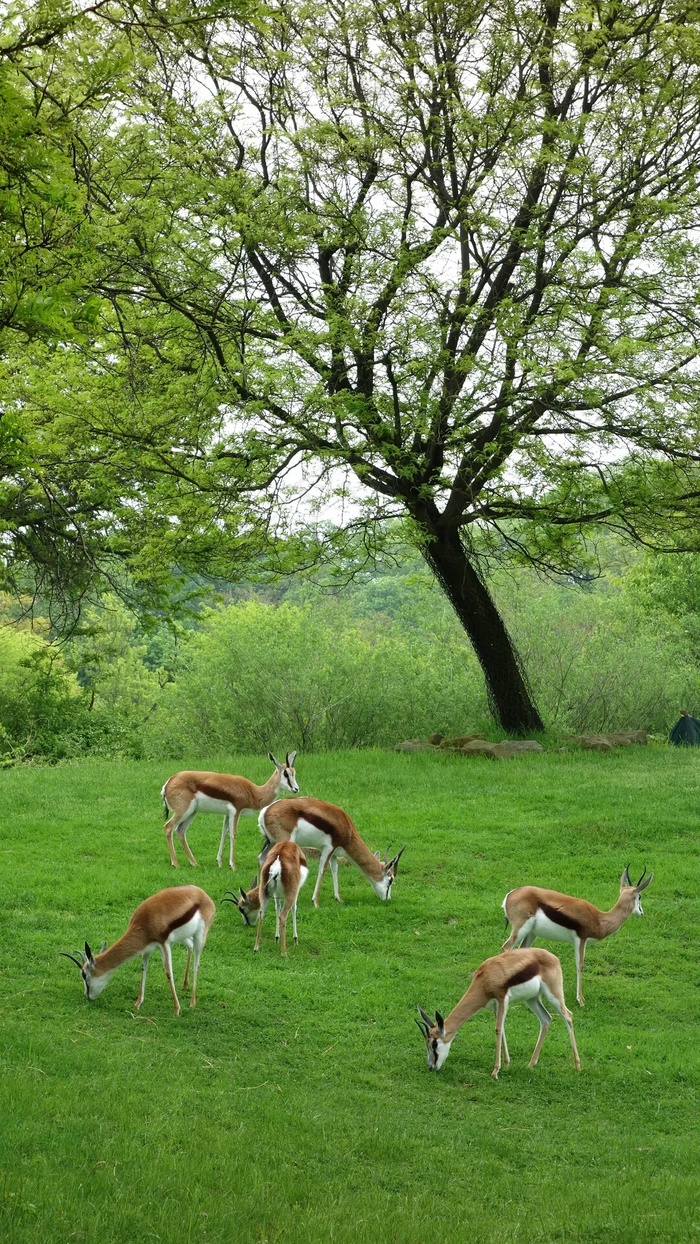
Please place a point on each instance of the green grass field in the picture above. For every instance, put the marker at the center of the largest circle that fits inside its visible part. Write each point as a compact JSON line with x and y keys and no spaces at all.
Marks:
{"x":294,"y":1103}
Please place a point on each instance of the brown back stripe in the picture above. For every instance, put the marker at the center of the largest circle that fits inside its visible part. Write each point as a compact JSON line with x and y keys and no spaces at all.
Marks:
{"x":184,"y":919}
{"x":559,"y":917}
{"x":525,"y":974}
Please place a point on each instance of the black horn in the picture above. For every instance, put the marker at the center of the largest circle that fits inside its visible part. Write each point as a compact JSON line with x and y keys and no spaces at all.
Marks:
{"x":71,"y":957}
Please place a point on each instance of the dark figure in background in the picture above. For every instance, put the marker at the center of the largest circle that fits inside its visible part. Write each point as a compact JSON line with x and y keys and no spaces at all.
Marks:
{"x":686,"y":732}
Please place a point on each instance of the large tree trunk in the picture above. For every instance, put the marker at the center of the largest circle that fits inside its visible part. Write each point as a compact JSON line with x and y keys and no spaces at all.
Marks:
{"x":509,"y":695}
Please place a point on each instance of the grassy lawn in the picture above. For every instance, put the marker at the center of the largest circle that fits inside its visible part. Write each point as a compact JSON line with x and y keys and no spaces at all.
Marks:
{"x":294,"y":1104}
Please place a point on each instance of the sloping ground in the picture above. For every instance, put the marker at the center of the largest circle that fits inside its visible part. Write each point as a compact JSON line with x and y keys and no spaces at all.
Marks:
{"x":294,"y":1103}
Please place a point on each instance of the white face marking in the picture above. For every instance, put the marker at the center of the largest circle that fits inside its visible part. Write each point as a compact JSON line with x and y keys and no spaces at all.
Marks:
{"x":637,"y":909}
{"x":289,"y":781}
{"x":94,"y":985}
{"x":437,"y":1052}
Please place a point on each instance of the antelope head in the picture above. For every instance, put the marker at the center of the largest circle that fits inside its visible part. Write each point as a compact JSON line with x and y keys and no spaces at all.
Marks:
{"x":246,"y":901}
{"x":287,"y":776}
{"x":382,"y":887}
{"x":93,"y":984}
{"x":433,"y":1031}
{"x":632,"y":891}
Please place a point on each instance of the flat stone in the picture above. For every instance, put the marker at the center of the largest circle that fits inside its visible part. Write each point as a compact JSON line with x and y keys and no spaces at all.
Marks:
{"x":479,"y":747}
{"x":592,"y":744}
{"x":415,"y":745}
{"x":512,"y":747}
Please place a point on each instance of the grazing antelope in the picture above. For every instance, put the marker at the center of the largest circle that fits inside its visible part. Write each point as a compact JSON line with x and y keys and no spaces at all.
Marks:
{"x":527,"y":976}
{"x":182,"y":914}
{"x":534,"y":912}
{"x":328,"y":829}
{"x":190,"y":792}
{"x":282,"y":875}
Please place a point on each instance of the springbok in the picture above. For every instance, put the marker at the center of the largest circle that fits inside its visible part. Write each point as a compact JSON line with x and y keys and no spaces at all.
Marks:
{"x":181,"y":914}
{"x":534,"y":912}
{"x":527,"y":976}
{"x":313,"y":823}
{"x":190,"y":792}
{"x":282,"y":875}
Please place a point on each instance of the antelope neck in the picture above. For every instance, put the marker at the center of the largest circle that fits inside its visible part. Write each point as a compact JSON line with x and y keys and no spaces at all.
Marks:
{"x":464,"y":1010}
{"x":610,"y":921}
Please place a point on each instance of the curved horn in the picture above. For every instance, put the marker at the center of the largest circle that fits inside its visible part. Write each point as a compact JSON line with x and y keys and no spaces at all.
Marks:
{"x":72,"y":957}
{"x":422,"y":1025}
{"x":641,"y":878}
{"x":643,"y":885}
{"x":229,"y":897}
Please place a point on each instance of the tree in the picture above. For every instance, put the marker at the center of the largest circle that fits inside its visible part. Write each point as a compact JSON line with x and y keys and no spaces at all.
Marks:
{"x":56,"y":76}
{"x":445,"y":247}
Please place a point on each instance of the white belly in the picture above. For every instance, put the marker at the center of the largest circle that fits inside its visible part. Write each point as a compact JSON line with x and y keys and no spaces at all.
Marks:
{"x":525,"y":991}
{"x":544,"y":927}
{"x":205,"y":803}
{"x":186,"y":931}
{"x":307,"y":835}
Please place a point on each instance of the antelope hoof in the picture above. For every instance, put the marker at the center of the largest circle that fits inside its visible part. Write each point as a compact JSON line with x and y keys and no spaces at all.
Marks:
{"x":494,"y":1073}
{"x":580,"y":1001}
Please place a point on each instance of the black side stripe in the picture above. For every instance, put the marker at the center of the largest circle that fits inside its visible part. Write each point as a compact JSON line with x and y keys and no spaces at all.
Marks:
{"x":525,"y":974}
{"x":319,"y":822}
{"x":184,"y":919}
{"x":559,"y":917}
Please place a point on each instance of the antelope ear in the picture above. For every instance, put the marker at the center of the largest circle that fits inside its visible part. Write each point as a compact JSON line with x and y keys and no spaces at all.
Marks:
{"x":377,"y":856}
{"x":103,"y":947}
{"x":88,"y":954}
{"x":625,"y":878}
{"x":440,"y":1023}
{"x":395,"y":862}
{"x":642,"y":885}
{"x":291,"y":757}
{"x":276,"y":763}
{"x":425,"y":1017}
{"x":243,"y":893}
